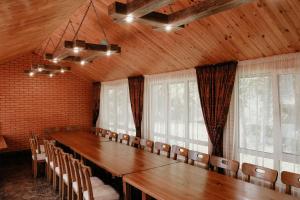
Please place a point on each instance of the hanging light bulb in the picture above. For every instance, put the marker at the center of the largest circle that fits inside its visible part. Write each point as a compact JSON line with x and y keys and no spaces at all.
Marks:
{"x":55,"y":60}
{"x":51,"y":75}
{"x":31,"y":74}
{"x":62,"y":70}
{"x":168,"y":28}
{"x":40,"y":69}
{"x":108,"y":52}
{"x":76,"y":49}
{"x":129,"y":18}
{"x":82,"y":62}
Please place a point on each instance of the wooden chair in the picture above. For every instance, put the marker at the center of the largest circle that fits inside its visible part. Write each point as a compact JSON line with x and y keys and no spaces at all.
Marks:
{"x":40,"y":148}
{"x":162,"y":147}
{"x":230,"y":166}
{"x":147,"y":145}
{"x":58,"y":170}
{"x":290,"y":179}
{"x":199,"y":159}
{"x":77,"y":179}
{"x":136,"y":142}
{"x":114,"y":136}
{"x":95,"y":192}
{"x":259,"y":172}
{"x":37,"y":158}
{"x":125,"y":139}
{"x":50,"y":149}
{"x":180,"y":152}
{"x":67,"y":177}
{"x":47,"y":158}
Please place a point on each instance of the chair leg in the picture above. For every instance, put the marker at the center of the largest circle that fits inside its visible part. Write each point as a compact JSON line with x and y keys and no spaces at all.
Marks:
{"x":59,"y":186}
{"x":35,"y":169}
{"x":54,"y":180}
{"x":69,"y":191}
{"x":62,"y":190}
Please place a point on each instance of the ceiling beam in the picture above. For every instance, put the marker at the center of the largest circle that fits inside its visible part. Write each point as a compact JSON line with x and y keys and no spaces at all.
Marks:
{"x":185,"y":16}
{"x":136,"y":8}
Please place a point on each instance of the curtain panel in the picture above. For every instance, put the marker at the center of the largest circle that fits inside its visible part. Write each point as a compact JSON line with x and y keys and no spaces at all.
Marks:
{"x":136,"y":93}
{"x":215,"y":85}
{"x":96,"y":101}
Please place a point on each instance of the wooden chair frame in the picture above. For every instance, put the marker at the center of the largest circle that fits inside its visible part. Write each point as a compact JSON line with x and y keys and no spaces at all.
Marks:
{"x":260,"y":172}
{"x":198,"y":157}
{"x":163,"y":147}
{"x":125,"y":138}
{"x":290,"y":180}
{"x":230,"y":165}
{"x":180,"y":151}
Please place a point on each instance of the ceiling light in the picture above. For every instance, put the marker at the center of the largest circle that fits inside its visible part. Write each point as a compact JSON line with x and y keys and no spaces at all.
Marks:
{"x":40,"y":69}
{"x":62,"y":70}
{"x":168,"y":28}
{"x":51,"y":75}
{"x":76,"y":49}
{"x":55,"y":60}
{"x":129,"y":18}
{"x":31,"y":74}
{"x":82,"y":62}
{"x":108,"y":53}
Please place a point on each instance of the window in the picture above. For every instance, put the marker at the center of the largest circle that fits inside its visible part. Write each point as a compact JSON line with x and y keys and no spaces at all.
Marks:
{"x":115,"y":109}
{"x":269,"y":118}
{"x":175,"y":113}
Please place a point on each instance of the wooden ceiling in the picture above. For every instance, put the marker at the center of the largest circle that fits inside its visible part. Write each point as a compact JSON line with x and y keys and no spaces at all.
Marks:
{"x":24,"y":24}
{"x":258,"y":29}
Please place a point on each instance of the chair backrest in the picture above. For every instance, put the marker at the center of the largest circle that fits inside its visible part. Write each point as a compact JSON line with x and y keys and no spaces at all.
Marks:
{"x":162,"y":147}
{"x":180,"y":152}
{"x":75,"y":174}
{"x":136,"y":142}
{"x":147,"y":145}
{"x":114,"y":136}
{"x":66,"y":160}
{"x":290,"y":179}
{"x":33,"y":148}
{"x":125,"y":139}
{"x":260,"y":172}
{"x":199,"y":159}
{"x":231,"y":166}
{"x":87,"y":185}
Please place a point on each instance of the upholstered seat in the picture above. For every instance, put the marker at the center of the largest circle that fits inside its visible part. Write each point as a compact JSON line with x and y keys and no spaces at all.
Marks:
{"x":103,"y":192}
{"x":40,"y":156}
{"x":96,"y":182}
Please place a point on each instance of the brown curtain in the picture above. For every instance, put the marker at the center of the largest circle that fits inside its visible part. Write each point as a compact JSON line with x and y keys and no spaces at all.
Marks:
{"x":96,"y":101}
{"x":215,"y":85}
{"x":136,"y":92}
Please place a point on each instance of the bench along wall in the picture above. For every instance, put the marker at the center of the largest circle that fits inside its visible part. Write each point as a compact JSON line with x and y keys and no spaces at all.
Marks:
{"x":31,"y":104}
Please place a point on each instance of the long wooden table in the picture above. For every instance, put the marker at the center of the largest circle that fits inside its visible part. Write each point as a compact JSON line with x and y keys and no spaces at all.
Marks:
{"x":182,"y":181}
{"x":3,"y":144}
{"x":118,"y":159}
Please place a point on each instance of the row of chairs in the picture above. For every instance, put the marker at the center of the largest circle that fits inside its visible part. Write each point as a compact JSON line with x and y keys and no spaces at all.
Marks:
{"x":71,"y":176}
{"x":231,"y":167}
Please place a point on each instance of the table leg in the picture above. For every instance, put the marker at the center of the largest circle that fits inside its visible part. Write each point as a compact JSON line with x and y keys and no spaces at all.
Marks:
{"x":126,"y":191}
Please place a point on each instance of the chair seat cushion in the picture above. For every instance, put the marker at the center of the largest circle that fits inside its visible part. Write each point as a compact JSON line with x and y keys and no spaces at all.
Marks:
{"x":103,"y":192}
{"x":57,"y":170}
{"x":40,"y":157}
{"x":51,"y":164}
{"x":95,"y":181}
{"x":65,"y":178}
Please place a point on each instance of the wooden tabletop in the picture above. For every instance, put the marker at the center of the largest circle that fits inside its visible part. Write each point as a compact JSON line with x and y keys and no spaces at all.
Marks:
{"x":118,"y":159}
{"x":3,"y":144}
{"x":182,"y":181}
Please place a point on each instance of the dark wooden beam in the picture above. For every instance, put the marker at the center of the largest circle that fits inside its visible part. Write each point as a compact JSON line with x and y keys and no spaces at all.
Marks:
{"x":136,"y":8}
{"x":183,"y":17}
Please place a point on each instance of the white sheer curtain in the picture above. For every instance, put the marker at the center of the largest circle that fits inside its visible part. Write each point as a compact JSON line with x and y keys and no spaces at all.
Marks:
{"x":115,"y":108}
{"x":172,"y":111}
{"x":263,"y":126}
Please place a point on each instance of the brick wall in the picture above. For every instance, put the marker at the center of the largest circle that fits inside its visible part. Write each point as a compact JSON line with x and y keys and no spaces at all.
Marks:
{"x":30,"y":104}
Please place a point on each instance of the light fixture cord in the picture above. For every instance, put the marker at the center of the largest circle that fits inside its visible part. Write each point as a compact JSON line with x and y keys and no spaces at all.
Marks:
{"x":75,"y":36}
{"x":99,"y":22}
{"x":61,"y":37}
